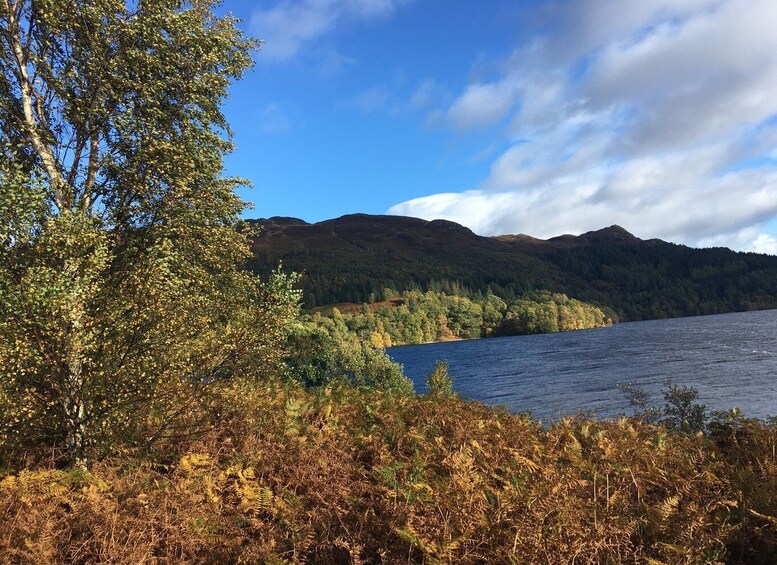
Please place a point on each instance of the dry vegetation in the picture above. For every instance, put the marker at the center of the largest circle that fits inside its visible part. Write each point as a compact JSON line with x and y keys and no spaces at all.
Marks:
{"x":350,"y":475}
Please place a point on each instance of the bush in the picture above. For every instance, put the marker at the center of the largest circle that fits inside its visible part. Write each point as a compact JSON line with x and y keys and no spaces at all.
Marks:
{"x":439,"y":383}
{"x":316,"y":359}
{"x":681,"y":410}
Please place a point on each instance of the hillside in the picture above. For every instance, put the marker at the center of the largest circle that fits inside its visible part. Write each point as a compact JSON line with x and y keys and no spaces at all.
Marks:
{"x":353,"y":258}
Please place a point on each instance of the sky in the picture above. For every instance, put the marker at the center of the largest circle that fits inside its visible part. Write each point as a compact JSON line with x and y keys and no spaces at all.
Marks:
{"x":536,"y":117}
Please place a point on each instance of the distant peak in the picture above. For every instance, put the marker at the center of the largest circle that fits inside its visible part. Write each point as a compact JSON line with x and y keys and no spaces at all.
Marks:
{"x":372,"y":220}
{"x":615,"y":228}
{"x":614,"y":232}
{"x":522,"y":237}
{"x":447,"y":225}
{"x":281,"y":220}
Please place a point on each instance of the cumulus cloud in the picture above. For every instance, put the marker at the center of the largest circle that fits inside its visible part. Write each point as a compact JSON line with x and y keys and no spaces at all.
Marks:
{"x":292,"y":25}
{"x":656,"y":115}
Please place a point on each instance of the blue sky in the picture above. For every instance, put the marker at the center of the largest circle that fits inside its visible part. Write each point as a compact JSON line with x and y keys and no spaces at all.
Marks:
{"x":536,"y":117}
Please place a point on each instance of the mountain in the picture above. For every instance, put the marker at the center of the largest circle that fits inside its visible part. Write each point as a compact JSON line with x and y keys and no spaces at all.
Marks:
{"x":354,"y":257}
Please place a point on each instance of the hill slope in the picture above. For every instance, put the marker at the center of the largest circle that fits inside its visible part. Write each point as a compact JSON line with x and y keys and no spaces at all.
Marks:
{"x":350,"y":258}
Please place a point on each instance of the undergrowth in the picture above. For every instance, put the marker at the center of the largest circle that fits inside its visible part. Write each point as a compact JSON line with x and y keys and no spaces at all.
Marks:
{"x":348,"y":475}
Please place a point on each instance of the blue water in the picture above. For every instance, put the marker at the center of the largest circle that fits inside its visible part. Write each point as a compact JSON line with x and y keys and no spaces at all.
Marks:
{"x":731,"y":359}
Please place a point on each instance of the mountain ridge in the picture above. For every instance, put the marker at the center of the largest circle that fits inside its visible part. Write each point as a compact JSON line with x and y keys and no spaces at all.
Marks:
{"x":615,"y":230}
{"x":354,"y":257}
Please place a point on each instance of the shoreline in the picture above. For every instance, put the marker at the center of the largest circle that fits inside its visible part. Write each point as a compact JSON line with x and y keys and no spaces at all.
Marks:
{"x":458,"y":339}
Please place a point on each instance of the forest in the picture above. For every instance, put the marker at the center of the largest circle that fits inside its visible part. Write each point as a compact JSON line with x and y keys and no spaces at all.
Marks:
{"x":414,"y":317}
{"x":161,"y":402}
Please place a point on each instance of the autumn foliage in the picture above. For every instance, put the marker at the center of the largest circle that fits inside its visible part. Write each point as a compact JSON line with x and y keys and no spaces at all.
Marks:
{"x":357,"y":475}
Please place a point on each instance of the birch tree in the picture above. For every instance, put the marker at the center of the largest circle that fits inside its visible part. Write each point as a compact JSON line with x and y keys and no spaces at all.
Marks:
{"x":122,"y":300}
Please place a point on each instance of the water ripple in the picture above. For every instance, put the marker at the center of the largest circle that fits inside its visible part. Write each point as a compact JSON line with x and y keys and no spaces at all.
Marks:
{"x":729,"y":358}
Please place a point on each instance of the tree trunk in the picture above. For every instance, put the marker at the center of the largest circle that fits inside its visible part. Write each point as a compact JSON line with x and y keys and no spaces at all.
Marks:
{"x":75,"y":411}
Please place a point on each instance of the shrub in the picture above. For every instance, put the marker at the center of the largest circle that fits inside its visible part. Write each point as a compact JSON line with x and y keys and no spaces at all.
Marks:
{"x":439,"y":383}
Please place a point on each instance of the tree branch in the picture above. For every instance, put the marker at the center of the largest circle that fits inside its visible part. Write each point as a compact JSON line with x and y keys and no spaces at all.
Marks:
{"x":43,"y":150}
{"x":71,"y":177}
{"x":94,"y":145}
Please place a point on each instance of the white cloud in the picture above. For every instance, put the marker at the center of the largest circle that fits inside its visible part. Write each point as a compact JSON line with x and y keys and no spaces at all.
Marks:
{"x":748,"y":239}
{"x":290,"y":26}
{"x":764,"y":243}
{"x":482,"y":105}
{"x":656,"y":115}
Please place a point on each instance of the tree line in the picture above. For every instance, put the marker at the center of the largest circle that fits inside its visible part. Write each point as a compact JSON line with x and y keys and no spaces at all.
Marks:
{"x":413,"y":317}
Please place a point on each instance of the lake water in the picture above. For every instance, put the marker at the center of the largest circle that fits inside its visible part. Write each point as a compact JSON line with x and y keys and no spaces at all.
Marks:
{"x":731,"y":359}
